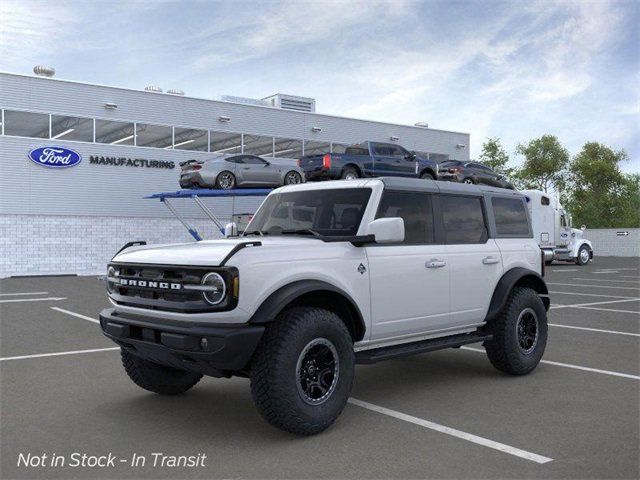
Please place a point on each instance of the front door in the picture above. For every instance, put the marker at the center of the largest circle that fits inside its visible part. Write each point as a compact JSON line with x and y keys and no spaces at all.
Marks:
{"x":409,"y":281}
{"x":257,"y":171}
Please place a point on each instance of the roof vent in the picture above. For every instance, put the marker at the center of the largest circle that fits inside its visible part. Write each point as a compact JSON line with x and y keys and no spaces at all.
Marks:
{"x":152,"y":88}
{"x":44,"y":71}
{"x":175,"y":91}
{"x":243,"y":100}
{"x":292,"y":102}
{"x":422,"y":124}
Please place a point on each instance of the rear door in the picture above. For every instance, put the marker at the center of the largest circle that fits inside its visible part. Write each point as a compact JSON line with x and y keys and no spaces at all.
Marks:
{"x":475,"y":263}
{"x":409,"y":281}
{"x":383,"y":159}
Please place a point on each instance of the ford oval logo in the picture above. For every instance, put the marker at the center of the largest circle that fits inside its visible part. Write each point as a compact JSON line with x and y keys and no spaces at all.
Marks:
{"x":55,"y":157}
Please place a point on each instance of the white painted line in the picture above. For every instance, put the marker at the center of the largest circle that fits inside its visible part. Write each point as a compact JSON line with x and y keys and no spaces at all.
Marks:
{"x":562,"y":270}
{"x":613,"y":269}
{"x":575,"y":367}
{"x":74,"y":314}
{"x":589,"y":294}
{"x":593,"y":286}
{"x":73,"y":352}
{"x":629,"y":276}
{"x":594,"y":330}
{"x":485,"y":442}
{"x":606,"y":272}
{"x":589,"y":304}
{"x":606,"y":280}
{"x":23,"y":293}
{"x":610,"y":310}
{"x":48,"y":299}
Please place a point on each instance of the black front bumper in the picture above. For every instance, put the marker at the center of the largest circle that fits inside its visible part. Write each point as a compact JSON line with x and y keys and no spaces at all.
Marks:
{"x":209,"y":349}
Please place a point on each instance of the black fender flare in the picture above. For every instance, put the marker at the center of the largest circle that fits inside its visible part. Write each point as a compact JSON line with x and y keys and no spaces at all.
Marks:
{"x":508,"y":281}
{"x":278,"y":300}
{"x":430,"y":171}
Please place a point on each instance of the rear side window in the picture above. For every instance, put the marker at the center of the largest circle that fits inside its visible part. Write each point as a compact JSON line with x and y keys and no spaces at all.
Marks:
{"x":356,"y":151}
{"x":544,"y":200}
{"x":511,"y":217}
{"x":414,"y":209}
{"x":463,"y":219}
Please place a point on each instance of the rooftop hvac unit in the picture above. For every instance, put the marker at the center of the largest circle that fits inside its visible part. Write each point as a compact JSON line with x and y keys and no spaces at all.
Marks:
{"x":175,"y":91}
{"x":292,"y":102}
{"x":44,"y":71}
{"x":244,"y":100}
{"x":152,"y":88}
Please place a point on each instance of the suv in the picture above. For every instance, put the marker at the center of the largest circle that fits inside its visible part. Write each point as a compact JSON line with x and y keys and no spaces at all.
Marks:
{"x":471,"y":172}
{"x":328,"y":275}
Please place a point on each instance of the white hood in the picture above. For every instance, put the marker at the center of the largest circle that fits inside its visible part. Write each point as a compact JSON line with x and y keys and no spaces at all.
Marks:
{"x":205,"y":253}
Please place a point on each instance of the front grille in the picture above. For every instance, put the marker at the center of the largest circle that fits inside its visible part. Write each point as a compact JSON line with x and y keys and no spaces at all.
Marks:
{"x":157,"y":298}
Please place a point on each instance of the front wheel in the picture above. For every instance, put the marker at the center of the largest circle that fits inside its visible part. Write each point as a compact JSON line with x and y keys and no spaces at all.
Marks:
{"x":583,"y":255}
{"x":302,"y":371}
{"x":427,"y":176}
{"x":292,"y":178}
{"x":519,"y":333}
{"x":468,"y":181}
{"x":157,"y":378}
{"x":225,"y":180}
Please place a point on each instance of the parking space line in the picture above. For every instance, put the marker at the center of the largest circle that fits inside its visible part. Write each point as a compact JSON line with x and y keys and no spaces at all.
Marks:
{"x":48,"y":299}
{"x":485,"y":442}
{"x":593,"y":286}
{"x":589,"y":304}
{"x":610,"y":310}
{"x":74,"y":314}
{"x":589,"y":294}
{"x":562,"y":270}
{"x":569,"y":365}
{"x":56,"y":354}
{"x":594,"y":330}
{"x":22,"y":293}
{"x":628,"y":276}
{"x":606,"y":280}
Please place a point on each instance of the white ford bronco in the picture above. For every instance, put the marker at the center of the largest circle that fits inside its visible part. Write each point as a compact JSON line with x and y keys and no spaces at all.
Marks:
{"x":326,"y":276}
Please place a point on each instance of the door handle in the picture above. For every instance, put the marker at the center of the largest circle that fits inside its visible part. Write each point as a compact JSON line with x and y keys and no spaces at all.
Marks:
{"x":435,"y":263}
{"x":490,"y":260}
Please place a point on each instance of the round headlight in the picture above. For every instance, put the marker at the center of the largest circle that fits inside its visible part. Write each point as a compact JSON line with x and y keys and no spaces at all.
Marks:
{"x":111,"y":273}
{"x":218,"y":290}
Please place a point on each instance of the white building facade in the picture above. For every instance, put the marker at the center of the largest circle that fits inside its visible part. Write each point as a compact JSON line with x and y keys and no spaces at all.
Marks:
{"x":130,"y":143}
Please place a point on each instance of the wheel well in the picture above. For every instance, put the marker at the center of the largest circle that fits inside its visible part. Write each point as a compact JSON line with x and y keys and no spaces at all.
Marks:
{"x":517,"y":277}
{"x":335,"y":303}
{"x":428,"y":170}
{"x":354,"y":166}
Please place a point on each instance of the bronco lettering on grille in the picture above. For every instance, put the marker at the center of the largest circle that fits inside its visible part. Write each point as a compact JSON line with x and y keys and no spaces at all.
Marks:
{"x":149,"y":284}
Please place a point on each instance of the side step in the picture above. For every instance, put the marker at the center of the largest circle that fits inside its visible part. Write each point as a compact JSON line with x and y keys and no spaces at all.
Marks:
{"x":404,"y":350}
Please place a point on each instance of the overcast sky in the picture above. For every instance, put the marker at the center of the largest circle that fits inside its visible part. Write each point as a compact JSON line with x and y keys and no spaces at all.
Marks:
{"x":515,"y":70}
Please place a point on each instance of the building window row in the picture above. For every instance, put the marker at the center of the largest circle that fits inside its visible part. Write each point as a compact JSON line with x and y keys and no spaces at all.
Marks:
{"x":95,"y":130}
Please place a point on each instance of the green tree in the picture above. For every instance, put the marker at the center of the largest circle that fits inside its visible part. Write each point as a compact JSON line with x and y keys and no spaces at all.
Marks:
{"x":495,"y":156}
{"x":545,"y":164}
{"x":601,"y":195}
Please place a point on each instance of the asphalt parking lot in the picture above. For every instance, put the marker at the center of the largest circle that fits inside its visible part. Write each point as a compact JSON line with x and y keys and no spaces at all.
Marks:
{"x":447,"y":414}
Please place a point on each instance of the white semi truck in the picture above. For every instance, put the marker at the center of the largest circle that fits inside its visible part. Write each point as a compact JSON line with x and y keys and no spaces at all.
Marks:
{"x":553,"y":232}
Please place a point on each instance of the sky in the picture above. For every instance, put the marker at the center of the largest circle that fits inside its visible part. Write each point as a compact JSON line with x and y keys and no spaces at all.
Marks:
{"x":514,"y":70}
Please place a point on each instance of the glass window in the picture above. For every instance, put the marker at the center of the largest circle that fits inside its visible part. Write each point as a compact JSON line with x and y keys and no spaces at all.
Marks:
{"x":463,"y":219}
{"x":329,"y":212}
{"x":72,"y":128}
{"x":251,"y":160}
{"x":115,"y":133}
{"x":544,"y":200}
{"x":26,"y":124}
{"x":381,"y":149}
{"x":357,"y":151}
{"x":190,"y":139}
{"x":414,"y":209}
{"x":258,"y":145}
{"x":398,"y":151}
{"x":234,"y":160}
{"x":158,"y":136}
{"x":316,"y":148}
{"x":338,"y":147}
{"x":511,"y":217}
{"x":225,"y":142}
{"x":287,"y":148}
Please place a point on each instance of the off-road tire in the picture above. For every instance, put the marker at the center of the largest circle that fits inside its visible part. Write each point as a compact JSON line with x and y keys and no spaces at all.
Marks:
{"x":427,"y":176}
{"x":349,"y":173}
{"x":503,"y":350}
{"x":274,"y":370}
{"x":579,"y":260}
{"x":157,"y":378}
{"x":224,"y":186}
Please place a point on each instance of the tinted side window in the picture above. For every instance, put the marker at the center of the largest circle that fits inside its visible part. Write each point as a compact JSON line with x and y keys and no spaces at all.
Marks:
{"x":463,"y":219}
{"x":253,"y":160}
{"x":414,"y":209}
{"x":234,"y":160}
{"x":511,"y":217}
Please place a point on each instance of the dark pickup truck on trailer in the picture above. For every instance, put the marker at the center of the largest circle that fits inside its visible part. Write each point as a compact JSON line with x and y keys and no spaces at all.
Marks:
{"x":368,"y":159}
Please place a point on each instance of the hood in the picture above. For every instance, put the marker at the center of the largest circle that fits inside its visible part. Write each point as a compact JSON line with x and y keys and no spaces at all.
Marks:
{"x":576,"y":233}
{"x":205,"y":253}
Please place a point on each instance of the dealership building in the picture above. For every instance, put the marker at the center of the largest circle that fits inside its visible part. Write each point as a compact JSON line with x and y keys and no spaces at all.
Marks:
{"x":129,"y":144}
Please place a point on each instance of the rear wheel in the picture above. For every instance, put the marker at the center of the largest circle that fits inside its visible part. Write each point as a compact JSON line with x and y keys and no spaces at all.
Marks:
{"x":519,"y":333}
{"x":292,"y":178}
{"x":349,"y":173}
{"x":468,"y":181}
{"x":427,"y":176}
{"x":583,"y":255}
{"x":302,"y":371}
{"x":225,"y":180}
{"x":157,"y":378}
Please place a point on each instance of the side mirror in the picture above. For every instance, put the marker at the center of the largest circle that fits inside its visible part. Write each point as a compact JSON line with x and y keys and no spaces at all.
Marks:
{"x":387,"y":230}
{"x":230,"y":230}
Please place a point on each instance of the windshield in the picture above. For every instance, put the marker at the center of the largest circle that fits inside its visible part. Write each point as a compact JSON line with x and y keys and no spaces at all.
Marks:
{"x":326,"y":212}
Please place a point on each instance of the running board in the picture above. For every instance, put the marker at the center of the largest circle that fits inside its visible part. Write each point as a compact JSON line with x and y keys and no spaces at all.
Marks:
{"x":404,"y":350}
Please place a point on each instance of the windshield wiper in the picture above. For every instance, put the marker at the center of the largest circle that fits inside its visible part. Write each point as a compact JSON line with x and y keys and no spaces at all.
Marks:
{"x":302,"y":231}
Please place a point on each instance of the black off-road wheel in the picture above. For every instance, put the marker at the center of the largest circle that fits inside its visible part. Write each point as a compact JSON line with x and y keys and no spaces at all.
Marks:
{"x":302,"y":370}
{"x":157,"y":378}
{"x":519,"y":333}
{"x":225,"y":180}
{"x":349,"y":173}
{"x":427,"y":176}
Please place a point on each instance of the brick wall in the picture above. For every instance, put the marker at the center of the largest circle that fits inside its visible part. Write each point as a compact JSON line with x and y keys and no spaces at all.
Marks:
{"x":47,"y":245}
{"x":608,"y":242}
